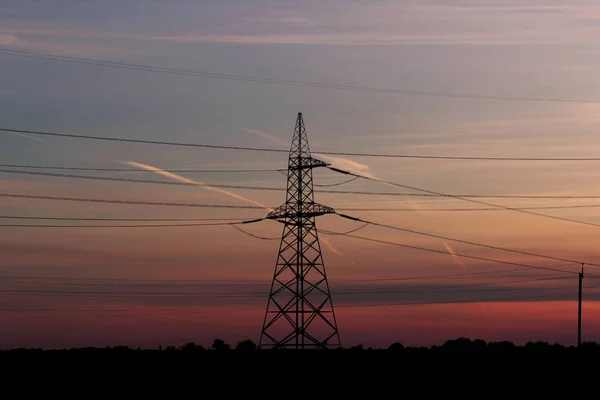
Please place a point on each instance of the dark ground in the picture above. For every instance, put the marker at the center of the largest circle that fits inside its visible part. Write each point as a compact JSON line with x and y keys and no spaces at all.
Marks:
{"x":247,"y":350}
{"x":468,"y":368}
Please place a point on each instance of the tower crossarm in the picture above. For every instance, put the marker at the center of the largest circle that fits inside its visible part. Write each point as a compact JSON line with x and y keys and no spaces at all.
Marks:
{"x":292,"y":211}
{"x":306,"y":162}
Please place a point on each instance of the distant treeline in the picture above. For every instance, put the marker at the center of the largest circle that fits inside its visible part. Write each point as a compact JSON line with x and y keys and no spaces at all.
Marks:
{"x":463,"y":345}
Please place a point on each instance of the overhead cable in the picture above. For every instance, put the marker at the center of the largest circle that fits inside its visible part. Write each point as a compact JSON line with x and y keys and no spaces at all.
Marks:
{"x":467,"y":209}
{"x":135,"y":312}
{"x":268,"y":188}
{"x":26,"y":217}
{"x":466,"y":199}
{"x":253,"y":235}
{"x":53,"y":167}
{"x":453,"y":254}
{"x":130,"y":226}
{"x":464,"y":241}
{"x":221,"y":282}
{"x":195,"y":294}
{"x":133,"y":202}
{"x":321,"y":85}
{"x":195,"y":205}
{"x":272,"y":150}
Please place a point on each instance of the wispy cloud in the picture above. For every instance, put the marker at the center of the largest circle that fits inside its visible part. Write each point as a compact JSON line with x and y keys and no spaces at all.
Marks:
{"x":67,"y":40}
{"x":280,"y":21}
{"x":348,"y":165}
{"x":355,"y":167}
{"x":194,"y":182}
{"x":347,"y":39}
{"x":339,"y":23}
{"x":414,"y":205}
{"x":8,"y":39}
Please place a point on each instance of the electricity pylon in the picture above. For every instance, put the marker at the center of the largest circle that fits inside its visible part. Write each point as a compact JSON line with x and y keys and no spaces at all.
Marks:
{"x":300,"y":312}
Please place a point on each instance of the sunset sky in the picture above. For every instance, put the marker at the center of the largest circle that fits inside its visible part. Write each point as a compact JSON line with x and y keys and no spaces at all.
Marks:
{"x":67,"y":287}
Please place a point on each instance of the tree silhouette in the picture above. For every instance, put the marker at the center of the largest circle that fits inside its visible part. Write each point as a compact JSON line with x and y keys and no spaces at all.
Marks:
{"x":396,"y":347}
{"x":191,"y":348}
{"x":501,"y":346}
{"x":464,"y":344}
{"x":246,"y":345}
{"x":220,"y":345}
{"x":220,"y":349}
{"x":537,"y":346}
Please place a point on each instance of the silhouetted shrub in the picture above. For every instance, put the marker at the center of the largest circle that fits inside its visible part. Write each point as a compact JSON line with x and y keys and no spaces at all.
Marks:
{"x":396,"y":347}
{"x":220,"y":345}
{"x":246,"y":345}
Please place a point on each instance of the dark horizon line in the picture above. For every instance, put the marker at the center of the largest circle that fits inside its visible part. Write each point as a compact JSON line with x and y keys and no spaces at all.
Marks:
{"x":460,"y":343}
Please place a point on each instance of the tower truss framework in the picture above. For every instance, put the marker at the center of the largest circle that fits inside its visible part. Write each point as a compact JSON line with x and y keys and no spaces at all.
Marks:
{"x":300,"y":312}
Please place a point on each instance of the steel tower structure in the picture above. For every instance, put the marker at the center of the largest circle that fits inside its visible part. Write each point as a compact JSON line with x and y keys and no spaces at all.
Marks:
{"x":299,"y":312}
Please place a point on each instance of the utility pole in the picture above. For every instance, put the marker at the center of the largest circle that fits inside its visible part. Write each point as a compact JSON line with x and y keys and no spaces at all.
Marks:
{"x":300,"y":311}
{"x":579,"y":309}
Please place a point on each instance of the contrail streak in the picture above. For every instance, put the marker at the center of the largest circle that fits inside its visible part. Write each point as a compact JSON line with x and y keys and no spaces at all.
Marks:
{"x":208,"y":187}
{"x":328,"y":244}
{"x":461,"y":264}
{"x":27,"y":136}
{"x":193,"y":182}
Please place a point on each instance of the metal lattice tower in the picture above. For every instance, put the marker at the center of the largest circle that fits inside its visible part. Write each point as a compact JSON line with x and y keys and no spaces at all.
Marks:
{"x":300,"y":312}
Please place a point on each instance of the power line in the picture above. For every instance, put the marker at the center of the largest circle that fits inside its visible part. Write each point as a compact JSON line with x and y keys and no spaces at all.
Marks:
{"x":236,"y":281}
{"x":168,"y":204}
{"x":464,"y":241}
{"x":136,"y":170}
{"x":49,"y":282}
{"x":267,"y":188}
{"x":232,"y":224}
{"x":205,"y":284}
{"x":320,"y":85}
{"x":450,"y":290}
{"x":237,"y":309}
{"x":108,"y":178}
{"x":123,"y":226}
{"x":483,"y":196}
{"x":70,"y":278}
{"x":163,"y":143}
{"x":133,"y":202}
{"x":348,"y":232}
{"x":271,"y":150}
{"x":465,"y":158}
{"x":176,"y":183}
{"x":453,"y":254}
{"x":119,"y":284}
{"x":427,"y":288}
{"x":253,"y":235}
{"x":336,"y":184}
{"x":409,"y":290}
{"x":466,"y":209}
{"x":135,"y":312}
{"x":467,"y":199}
{"x":255,"y":295}
{"x":115,"y":219}
{"x":458,"y":275}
